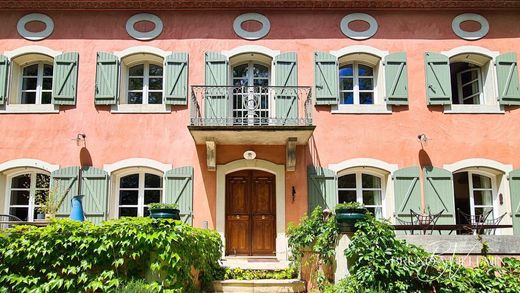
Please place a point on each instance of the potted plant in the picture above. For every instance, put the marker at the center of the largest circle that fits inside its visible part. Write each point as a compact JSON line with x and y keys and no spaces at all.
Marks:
{"x":164,"y":211}
{"x":348,"y":214}
{"x":48,"y":203}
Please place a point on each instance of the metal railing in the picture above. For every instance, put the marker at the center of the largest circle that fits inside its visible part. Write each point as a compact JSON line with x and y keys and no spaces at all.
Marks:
{"x":250,"y":106}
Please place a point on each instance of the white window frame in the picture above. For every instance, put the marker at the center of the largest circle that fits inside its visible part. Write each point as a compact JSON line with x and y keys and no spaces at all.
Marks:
{"x":146,"y":80}
{"x":32,"y":192}
{"x":479,"y":82}
{"x":356,"y":91}
{"x":39,"y":83}
{"x":472,"y":194}
{"x":359,"y":188}
{"x":141,"y":189}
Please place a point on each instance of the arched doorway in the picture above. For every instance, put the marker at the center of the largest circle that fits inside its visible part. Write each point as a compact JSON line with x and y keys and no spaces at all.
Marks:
{"x":250,"y":213}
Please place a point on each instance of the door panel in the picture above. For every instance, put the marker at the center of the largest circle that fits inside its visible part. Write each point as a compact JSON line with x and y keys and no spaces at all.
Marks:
{"x":237,"y":235}
{"x":263,"y":240}
{"x":262,"y":199}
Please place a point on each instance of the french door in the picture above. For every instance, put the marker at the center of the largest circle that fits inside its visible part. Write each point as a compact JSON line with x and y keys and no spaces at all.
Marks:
{"x":250,"y":103}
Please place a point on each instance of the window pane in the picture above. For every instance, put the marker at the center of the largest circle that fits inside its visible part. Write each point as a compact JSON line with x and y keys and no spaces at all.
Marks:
{"x":366,"y":83}
{"x":21,"y":181}
{"x":346,"y":84}
{"x":152,"y":181}
{"x":240,"y":70}
{"x":135,"y":83}
{"x":347,"y":98}
{"x":42,"y":181}
{"x":40,"y":195}
{"x":46,"y":97}
{"x":483,"y":197}
{"x":468,"y":76}
{"x":260,"y":71}
{"x":261,"y":82}
{"x":19,"y":197}
{"x":377,"y":212}
{"x":137,"y":70}
{"x":366,"y":98}
{"x":346,"y":196}
{"x":155,"y":83}
{"x":482,"y":211}
{"x":135,"y":98}
{"x":128,"y":197}
{"x":372,"y":197}
{"x":29,"y":83}
{"x":31,"y":70}
{"x":21,"y":213}
{"x":47,"y":83}
{"x":480,"y":181}
{"x":129,"y":181}
{"x":28,"y":98}
{"x":127,"y":212}
{"x":47,"y":70}
{"x":156,"y":70}
{"x":364,"y":70}
{"x":370,"y":181}
{"x":152,"y":196}
{"x":346,"y":70}
{"x":347,"y":181}
{"x":155,"y":98}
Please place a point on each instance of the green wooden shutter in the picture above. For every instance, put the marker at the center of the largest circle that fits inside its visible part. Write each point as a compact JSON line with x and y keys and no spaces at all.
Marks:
{"x":94,"y":187}
{"x":507,"y":79}
{"x":4,"y":73}
{"x":322,"y":188}
{"x":396,"y":79}
{"x":407,"y":192}
{"x":514,"y":190}
{"x":176,"y":79}
{"x":438,"y":80}
{"x":65,"y":79}
{"x":438,"y":194}
{"x":107,"y":77}
{"x":67,"y":181}
{"x":326,"y":78}
{"x":179,"y":190}
{"x":286,"y":99}
{"x":216,"y":98}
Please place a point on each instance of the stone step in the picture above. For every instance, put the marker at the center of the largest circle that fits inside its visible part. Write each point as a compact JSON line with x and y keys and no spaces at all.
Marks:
{"x":259,"y":286}
{"x":255,"y":264}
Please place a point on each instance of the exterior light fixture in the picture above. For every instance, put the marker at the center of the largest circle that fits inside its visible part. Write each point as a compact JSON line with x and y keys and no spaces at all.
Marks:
{"x":249,"y":155}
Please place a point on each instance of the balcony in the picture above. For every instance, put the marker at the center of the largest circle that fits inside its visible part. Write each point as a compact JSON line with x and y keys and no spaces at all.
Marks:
{"x":266,"y":115}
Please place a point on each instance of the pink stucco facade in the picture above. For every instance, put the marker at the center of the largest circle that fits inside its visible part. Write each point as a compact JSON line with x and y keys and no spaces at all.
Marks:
{"x":164,"y":137}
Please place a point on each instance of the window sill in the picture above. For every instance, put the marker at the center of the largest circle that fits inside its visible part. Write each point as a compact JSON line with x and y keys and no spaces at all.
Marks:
{"x":30,"y":109}
{"x":361,"y":109}
{"x":473,"y":109}
{"x":129,"y":109}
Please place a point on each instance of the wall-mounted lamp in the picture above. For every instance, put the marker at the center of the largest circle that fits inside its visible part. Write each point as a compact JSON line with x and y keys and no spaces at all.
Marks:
{"x":423,"y":139}
{"x":501,"y":199}
{"x":80,"y":138}
{"x":249,"y":155}
{"x":293,"y":194}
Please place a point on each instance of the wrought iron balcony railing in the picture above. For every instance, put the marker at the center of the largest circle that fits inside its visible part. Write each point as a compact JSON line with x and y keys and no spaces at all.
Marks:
{"x":251,"y":106}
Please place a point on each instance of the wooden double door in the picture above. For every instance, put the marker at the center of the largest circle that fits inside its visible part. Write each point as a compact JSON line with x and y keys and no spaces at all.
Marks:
{"x":250,"y":213}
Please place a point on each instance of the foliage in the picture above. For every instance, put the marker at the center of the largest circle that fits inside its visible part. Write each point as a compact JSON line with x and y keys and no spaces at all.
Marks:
{"x":240,"y":274}
{"x":49,"y":203}
{"x":158,"y":205}
{"x":67,"y":255}
{"x":139,"y":286}
{"x":317,"y":233}
{"x":354,"y":205}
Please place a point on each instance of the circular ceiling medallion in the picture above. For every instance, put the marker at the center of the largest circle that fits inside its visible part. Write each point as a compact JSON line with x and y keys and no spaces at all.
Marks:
{"x":35,"y":36}
{"x":262,"y":32}
{"x":358,"y":35}
{"x":144,"y":36}
{"x":471,"y":36}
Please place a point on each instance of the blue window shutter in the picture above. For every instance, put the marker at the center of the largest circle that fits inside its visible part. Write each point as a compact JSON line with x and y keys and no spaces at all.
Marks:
{"x":176,"y":79}
{"x":107,"y":79}
{"x":507,"y":79}
{"x":286,"y":99}
{"x":66,"y":180}
{"x":407,"y":192}
{"x":94,"y":187}
{"x":438,"y":194}
{"x":216,"y":99}
{"x":322,"y":188}
{"x":179,"y":190}
{"x":326,"y":78}
{"x":396,"y":79}
{"x":514,"y":189}
{"x":4,"y":73}
{"x":65,"y":79}
{"x":438,"y":79}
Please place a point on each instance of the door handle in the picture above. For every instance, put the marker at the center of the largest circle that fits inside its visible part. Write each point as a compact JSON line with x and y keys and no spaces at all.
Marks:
{"x":237,"y":217}
{"x":263,"y":217}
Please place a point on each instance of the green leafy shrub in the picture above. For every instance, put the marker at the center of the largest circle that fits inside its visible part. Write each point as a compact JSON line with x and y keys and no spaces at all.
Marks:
{"x":139,"y":286}
{"x":158,"y":205}
{"x":70,"y":256}
{"x":354,"y":205}
{"x":240,"y":274}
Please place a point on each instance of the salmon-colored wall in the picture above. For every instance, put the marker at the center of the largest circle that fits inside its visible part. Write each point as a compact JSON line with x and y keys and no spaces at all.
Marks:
{"x":165,"y":137}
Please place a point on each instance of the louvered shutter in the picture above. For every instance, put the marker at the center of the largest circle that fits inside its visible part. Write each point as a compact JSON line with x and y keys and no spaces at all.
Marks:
{"x":66,"y":180}
{"x":216,"y":96}
{"x":407,"y":192}
{"x":326,"y":78}
{"x":179,"y":190}
{"x":438,"y":80}
{"x":507,"y":79}
{"x":514,"y":188}
{"x":65,"y":79}
{"x":322,"y":188}
{"x":439,"y":195}
{"x":107,"y":79}
{"x":176,"y":79}
{"x":396,"y":79}
{"x":94,"y":187}
{"x":4,"y":73}
{"x":286,"y":99}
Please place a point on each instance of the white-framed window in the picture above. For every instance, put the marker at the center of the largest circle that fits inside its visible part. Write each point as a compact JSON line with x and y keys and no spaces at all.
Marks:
{"x":23,"y":189}
{"x":145,"y":84}
{"x":467,"y":84}
{"x":362,"y":187}
{"x":356,"y":84}
{"x":475,"y":193}
{"x":135,"y":190}
{"x":36,"y":84}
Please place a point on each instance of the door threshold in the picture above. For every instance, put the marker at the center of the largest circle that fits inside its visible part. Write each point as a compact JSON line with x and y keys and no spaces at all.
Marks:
{"x":262,"y":263}
{"x":250,"y":257}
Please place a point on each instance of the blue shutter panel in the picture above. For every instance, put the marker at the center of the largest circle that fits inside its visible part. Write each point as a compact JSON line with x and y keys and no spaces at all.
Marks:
{"x":107,"y":79}
{"x":179,"y":190}
{"x":286,"y":99}
{"x":216,"y":96}
{"x":4,"y":73}
{"x":66,"y":180}
{"x":94,"y":187}
{"x":514,"y":186}
{"x":326,"y":78}
{"x":438,"y":79}
{"x":439,"y":195}
{"x":322,"y":188}
{"x":396,"y":79}
{"x":176,"y":79}
{"x":407,"y":192}
{"x":65,"y":79}
{"x":507,"y":79}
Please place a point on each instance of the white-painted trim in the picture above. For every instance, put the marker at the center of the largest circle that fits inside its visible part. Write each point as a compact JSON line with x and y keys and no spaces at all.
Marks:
{"x":470,"y":49}
{"x":467,"y":35}
{"x":136,"y":162}
{"x":363,"y":162}
{"x":473,"y":109}
{"x":255,"y":35}
{"x":256,"y":164}
{"x":35,"y":36}
{"x":251,"y":49}
{"x":478,"y":162}
{"x":144,"y":36}
{"x":30,"y":109}
{"x":362,"y":109}
{"x":358,"y":35}
{"x":359,"y":49}
{"x":140,"y":108}
{"x":33,"y":49}
{"x":142,"y":49}
{"x":28,"y":163}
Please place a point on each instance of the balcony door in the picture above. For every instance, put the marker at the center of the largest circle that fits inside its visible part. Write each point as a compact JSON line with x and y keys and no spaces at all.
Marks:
{"x":250,"y":103}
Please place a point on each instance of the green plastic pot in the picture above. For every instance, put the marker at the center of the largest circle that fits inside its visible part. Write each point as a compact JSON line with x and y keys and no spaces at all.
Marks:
{"x":165,"y":214}
{"x":346,"y":219}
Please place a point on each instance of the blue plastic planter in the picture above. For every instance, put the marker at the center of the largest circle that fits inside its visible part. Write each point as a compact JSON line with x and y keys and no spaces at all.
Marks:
{"x":165,"y":214}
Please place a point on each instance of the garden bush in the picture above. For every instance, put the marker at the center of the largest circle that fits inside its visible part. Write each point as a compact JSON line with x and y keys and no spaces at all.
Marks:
{"x":73,"y":256}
